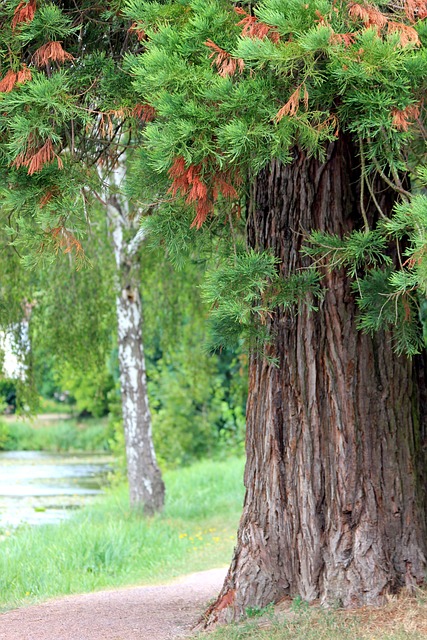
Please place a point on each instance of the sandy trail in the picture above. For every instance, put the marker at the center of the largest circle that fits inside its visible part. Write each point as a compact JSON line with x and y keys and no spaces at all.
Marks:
{"x":135,"y":613}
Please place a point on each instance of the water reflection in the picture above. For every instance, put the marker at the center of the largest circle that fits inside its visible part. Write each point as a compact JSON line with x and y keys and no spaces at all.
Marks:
{"x":38,"y":487}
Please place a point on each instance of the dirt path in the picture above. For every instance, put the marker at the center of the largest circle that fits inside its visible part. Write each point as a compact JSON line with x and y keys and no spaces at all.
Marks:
{"x":135,"y":613}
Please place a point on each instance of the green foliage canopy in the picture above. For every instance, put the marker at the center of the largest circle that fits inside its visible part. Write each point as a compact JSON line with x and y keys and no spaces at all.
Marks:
{"x":235,"y":87}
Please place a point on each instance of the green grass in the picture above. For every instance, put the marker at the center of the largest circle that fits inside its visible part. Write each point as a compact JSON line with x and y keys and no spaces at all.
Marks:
{"x":402,"y":618}
{"x":107,"y":545}
{"x":55,"y":436}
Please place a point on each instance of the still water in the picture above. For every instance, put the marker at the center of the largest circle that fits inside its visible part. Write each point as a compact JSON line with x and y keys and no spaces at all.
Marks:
{"x":40,"y":488}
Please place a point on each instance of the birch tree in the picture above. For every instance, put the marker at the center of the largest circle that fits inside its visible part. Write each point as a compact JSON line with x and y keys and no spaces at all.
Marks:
{"x":145,"y":482}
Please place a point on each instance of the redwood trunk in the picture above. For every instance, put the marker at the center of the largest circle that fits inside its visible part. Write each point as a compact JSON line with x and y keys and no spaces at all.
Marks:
{"x":335,"y":506}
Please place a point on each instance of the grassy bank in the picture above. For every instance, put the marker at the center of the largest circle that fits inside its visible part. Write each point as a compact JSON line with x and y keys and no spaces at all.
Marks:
{"x":402,"y":618}
{"x":107,"y":545}
{"x":58,"y":435}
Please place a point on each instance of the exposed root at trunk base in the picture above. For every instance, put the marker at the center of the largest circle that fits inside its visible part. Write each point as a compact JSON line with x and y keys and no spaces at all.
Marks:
{"x":212,"y":616}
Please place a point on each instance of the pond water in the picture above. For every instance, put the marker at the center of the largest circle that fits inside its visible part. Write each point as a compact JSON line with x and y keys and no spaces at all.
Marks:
{"x":40,"y":488}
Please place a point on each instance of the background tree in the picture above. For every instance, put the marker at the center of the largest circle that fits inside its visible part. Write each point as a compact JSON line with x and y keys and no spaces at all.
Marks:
{"x":317,"y":109}
{"x":62,"y":67}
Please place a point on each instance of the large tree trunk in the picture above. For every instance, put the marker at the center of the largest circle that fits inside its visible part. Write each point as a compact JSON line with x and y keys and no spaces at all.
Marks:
{"x":335,"y":506}
{"x":146,"y":487}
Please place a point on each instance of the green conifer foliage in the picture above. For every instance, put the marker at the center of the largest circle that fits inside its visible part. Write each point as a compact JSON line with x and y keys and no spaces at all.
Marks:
{"x":228,"y":89}
{"x":234,"y":86}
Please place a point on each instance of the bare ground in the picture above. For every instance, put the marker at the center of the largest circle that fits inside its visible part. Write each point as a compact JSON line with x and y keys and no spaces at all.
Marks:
{"x":161,"y":612}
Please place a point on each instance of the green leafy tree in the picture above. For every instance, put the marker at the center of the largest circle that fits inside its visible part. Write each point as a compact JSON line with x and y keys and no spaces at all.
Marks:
{"x":311,"y":115}
{"x":73,"y":324}
{"x":198,"y":397}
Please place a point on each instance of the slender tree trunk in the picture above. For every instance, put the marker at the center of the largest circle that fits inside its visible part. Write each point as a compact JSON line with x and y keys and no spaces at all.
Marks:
{"x":146,"y":486}
{"x":335,"y":506}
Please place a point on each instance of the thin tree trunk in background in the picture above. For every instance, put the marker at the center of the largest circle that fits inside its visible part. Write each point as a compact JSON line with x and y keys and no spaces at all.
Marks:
{"x":335,"y":507}
{"x":146,"y":486}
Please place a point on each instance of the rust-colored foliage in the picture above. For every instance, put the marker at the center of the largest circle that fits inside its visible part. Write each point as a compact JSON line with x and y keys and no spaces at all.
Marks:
{"x":47,"y":197}
{"x":178,"y":172}
{"x":372,"y":17}
{"x":8,"y":81}
{"x":403,"y":118}
{"x":105,"y":121}
{"x":254,"y":28}
{"x":292,"y":105}
{"x":417,"y":258}
{"x":51,"y":52}
{"x":197,"y":190}
{"x":415,"y":9}
{"x":203,"y":209}
{"x":320,"y":19}
{"x":65,"y":240}
{"x":331,"y":121}
{"x":369,"y":15}
{"x":105,"y":125}
{"x":24,"y":12}
{"x":407,"y":34}
{"x":225,"y":63}
{"x":12,"y":78}
{"x":135,"y":28}
{"x":35,"y":158}
{"x":144,"y":112}
{"x":346,"y":39}
{"x":223,"y":184}
{"x":188,"y":182}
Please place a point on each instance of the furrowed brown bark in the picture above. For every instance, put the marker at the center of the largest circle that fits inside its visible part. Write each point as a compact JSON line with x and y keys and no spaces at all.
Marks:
{"x":335,"y":506}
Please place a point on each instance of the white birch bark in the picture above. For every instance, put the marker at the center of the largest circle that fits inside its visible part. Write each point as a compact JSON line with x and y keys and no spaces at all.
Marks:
{"x":146,"y":486}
